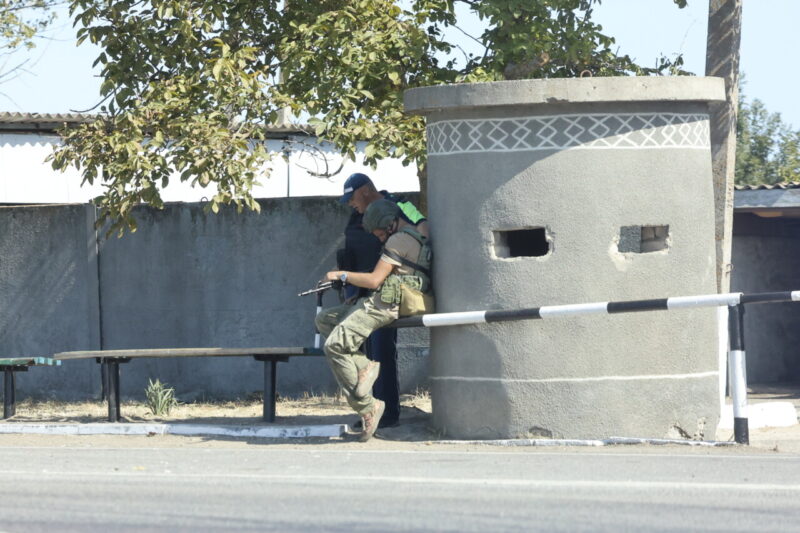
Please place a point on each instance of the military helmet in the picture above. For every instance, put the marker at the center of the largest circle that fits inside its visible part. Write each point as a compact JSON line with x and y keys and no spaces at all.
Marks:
{"x":380,"y":214}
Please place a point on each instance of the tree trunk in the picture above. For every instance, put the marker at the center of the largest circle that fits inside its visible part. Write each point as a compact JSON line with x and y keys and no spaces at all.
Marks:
{"x":722,"y":60}
{"x":422,"y":174}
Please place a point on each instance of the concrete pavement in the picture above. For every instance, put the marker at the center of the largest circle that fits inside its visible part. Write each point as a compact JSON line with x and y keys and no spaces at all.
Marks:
{"x":772,"y":417}
{"x":262,"y":486}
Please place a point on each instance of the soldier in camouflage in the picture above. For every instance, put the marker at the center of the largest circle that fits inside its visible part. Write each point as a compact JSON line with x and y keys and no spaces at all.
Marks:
{"x":347,"y":326}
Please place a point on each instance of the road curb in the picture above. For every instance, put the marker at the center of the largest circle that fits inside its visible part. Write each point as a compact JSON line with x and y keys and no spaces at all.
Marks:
{"x":268,"y":432}
{"x":612,"y":441}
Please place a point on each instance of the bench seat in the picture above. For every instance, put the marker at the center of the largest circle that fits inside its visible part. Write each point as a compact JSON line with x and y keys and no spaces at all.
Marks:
{"x":9,"y":366}
{"x":111,"y":359}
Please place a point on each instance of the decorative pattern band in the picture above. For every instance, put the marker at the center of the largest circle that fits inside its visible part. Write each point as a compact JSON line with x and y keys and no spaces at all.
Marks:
{"x":695,"y":375}
{"x":559,"y":132}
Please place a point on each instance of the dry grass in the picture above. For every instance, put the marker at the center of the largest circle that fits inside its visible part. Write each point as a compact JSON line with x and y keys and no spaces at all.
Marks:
{"x":421,"y":399}
{"x":310,"y":408}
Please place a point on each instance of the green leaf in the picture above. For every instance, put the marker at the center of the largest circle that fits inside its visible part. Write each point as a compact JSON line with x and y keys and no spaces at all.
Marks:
{"x":218,"y":65}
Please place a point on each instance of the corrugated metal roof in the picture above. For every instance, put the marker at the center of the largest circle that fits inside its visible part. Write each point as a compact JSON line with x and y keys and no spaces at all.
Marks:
{"x":7,"y":117}
{"x":40,"y":122}
{"x":765,"y":187}
{"x":49,"y":122}
{"x":776,"y":197}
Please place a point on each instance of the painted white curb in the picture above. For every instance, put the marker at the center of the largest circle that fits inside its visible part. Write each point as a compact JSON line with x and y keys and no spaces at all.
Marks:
{"x":586,"y":442}
{"x":762,"y":415}
{"x":269,"y":432}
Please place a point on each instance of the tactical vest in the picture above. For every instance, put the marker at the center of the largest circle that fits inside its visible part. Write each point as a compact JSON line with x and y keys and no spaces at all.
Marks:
{"x":422,"y":266}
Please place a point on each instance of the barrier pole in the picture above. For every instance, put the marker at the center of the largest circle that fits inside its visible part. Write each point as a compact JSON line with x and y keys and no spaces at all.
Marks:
{"x":317,"y":340}
{"x":738,"y":371}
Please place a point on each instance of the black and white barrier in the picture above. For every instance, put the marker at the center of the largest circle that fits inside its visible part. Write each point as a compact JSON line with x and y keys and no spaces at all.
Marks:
{"x":734,"y":300}
{"x":599,"y":308}
{"x":317,"y":338}
{"x":738,"y":373}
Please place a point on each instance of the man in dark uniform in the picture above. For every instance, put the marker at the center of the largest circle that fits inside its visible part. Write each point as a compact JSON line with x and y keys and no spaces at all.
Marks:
{"x":361,"y":253}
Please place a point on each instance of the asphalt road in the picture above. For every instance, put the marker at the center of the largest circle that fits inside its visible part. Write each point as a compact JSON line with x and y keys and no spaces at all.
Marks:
{"x":340,"y":488}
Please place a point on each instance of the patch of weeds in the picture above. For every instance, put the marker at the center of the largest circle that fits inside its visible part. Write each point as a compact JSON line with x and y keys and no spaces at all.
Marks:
{"x":160,"y":399}
{"x":421,"y":395}
{"x":419,"y":399}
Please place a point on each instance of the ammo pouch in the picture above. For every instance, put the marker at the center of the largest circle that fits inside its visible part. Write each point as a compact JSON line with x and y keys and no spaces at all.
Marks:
{"x":412,"y":293}
{"x":407,"y":292}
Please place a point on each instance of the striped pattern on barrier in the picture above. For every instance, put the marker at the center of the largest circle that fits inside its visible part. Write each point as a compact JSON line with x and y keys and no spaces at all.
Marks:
{"x":598,"y":308}
{"x":734,"y":300}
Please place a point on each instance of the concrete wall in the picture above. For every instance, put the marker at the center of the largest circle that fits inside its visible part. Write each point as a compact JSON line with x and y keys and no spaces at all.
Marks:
{"x":184,"y":279}
{"x":766,"y":257}
{"x":582,"y":159}
{"x":48,"y":295}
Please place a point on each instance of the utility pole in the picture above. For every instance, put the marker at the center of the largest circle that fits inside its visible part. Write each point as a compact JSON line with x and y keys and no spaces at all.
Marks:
{"x":284,"y":114}
{"x":722,"y":60}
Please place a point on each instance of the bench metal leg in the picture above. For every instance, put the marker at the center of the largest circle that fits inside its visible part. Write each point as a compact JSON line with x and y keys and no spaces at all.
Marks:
{"x":270,"y":373}
{"x":9,"y":394}
{"x":103,"y":383}
{"x":112,"y":389}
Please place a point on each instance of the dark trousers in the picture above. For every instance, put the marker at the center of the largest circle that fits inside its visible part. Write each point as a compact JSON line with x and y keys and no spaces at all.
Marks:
{"x":382,"y":347}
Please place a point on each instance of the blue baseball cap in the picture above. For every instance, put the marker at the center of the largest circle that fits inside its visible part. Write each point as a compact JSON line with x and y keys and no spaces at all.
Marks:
{"x":352,"y":184}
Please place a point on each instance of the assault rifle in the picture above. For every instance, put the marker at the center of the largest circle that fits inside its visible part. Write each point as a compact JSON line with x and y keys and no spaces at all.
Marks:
{"x":323,"y":286}
{"x":319,"y":290}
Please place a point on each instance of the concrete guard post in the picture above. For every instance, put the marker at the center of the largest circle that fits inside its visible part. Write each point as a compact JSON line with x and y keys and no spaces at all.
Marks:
{"x":572,"y":190}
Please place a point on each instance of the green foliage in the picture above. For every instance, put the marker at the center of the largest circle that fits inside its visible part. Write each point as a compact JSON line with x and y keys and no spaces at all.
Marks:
{"x":767,"y":149}
{"x":190,"y":85}
{"x":160,"y":399}
{"x":21,"y":21}
{"x":549,"y":39}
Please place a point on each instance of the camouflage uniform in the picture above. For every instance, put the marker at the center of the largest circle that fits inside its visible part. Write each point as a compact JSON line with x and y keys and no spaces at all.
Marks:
{"x":346,"y":327}
{"x":343,"y":344}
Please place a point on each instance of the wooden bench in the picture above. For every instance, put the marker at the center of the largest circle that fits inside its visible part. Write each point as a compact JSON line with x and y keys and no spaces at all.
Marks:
{"x":111,"y":359}
{"x":18,"y":364}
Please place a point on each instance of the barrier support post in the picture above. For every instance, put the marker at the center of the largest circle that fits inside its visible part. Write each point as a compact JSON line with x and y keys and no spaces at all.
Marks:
{"x":317,"y":339}
{"x":738,"y":373}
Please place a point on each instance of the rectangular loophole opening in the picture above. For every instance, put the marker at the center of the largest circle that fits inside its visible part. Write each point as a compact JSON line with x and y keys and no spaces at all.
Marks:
{"x":643,"y":239}
{"x":529,"y":242}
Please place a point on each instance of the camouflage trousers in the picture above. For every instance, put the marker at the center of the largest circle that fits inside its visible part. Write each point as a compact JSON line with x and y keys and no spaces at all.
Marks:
{"x":346,"y":328}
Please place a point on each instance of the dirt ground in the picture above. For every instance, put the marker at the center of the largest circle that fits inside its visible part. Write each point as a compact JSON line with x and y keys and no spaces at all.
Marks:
{"x":307,"y":410}
{"x":414,"y":431}
{"x":289,"y":411}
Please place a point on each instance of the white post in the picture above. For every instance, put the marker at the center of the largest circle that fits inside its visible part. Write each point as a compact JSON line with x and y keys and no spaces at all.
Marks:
{"x":722,"y":352}
{"x":737,"y":363}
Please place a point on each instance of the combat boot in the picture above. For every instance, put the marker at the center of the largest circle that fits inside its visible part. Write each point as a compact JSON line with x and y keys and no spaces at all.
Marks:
{"x":372,"y":420}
